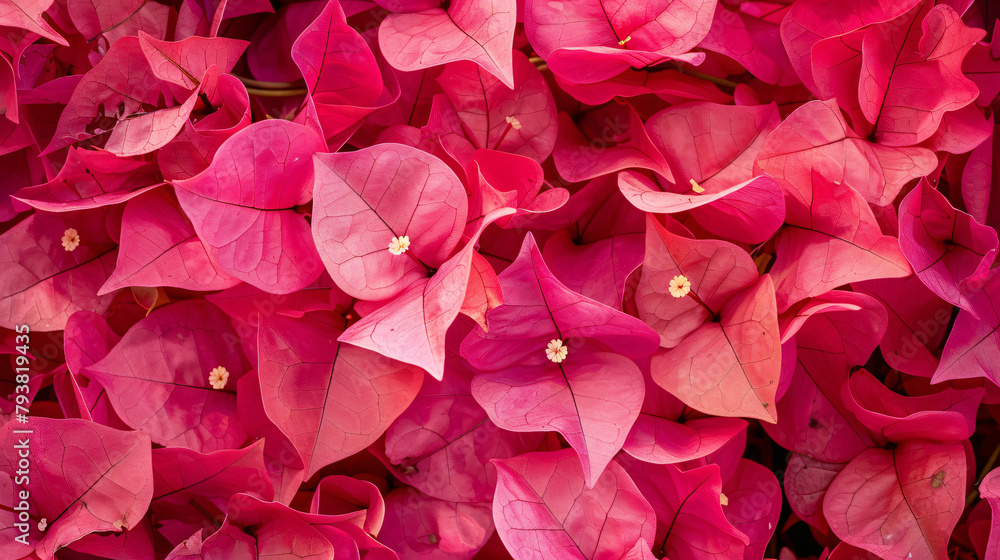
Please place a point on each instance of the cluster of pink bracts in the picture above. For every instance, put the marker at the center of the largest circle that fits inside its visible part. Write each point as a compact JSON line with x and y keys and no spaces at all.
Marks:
{"x":487,"y":279}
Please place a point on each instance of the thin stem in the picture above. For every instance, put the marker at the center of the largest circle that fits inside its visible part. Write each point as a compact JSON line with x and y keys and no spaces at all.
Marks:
{"x":250,"y":82}
{"x":208,"y":515}
{"x":709,"y":78}
{"x":502,"y":136}
{"x":208,"y":103}
{"x":682,"y":418}
{"x":695,"y":297}
{"x":34,"y":517}
{"x":276,"y":92}
{"x":982,"y":474}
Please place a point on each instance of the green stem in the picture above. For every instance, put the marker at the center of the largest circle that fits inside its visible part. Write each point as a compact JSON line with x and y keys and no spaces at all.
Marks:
{"x":709,"y":78}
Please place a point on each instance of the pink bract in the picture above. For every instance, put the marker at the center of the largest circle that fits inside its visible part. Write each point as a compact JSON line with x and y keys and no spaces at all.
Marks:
{"x":499,"y":279}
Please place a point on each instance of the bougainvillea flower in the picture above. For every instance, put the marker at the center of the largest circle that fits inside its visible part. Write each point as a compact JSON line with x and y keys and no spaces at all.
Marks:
{"x":91,"y":179}
{"x":543,"y":309}
{"x":898,"y":502}
{"x":730,"y":365}
{"x":816,"y":137}
{"x":587,"y":42}
{"x":499,"y":279}
{"x":660,"y":435}
{"x":689,"y":512}
{"x":830,"y":238}
{"x":45,"y":284}
{"x":171,"y":397}
{"x":674,"y":267}
{"x":426,"y":36}
{"x":813,"y":418}
{"x":121,"y":97}
{"x":564,"y":512}
{"x":111,"y":494}
{"x":443,"y":444}
{"x":603,"y":142}
{"x":342,"y":397}
{"x":918,"y":321}
{"x":989,"y":491}
{"x":251,"y":228}
{"x":393,"y":190}
{"x":343,"y":79}
{"x":520,"y":119}
{"x":950,"y":252}
{"x":973,"y":341}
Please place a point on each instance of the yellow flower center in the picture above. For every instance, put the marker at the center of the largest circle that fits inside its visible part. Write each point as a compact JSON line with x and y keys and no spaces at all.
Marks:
{"x":556,"y":350}
{"x":217,"y":377}
{"x":70,"y":239}
{"x":399,"y":245}
{"x":680,"y":286}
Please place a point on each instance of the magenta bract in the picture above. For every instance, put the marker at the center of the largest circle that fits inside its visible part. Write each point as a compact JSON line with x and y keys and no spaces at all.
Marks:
{"x":499,"y":279}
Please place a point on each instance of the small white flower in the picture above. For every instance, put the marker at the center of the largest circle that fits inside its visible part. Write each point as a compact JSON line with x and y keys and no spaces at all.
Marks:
{"x":723,"y":499}
{"x":42,"y":524}
{"x":218,"y":377}
{"x":70,"y":239}
{"x":514,"y":123}
{"x":399,"y":245}
{"x":696,"y":187}
{"x":556,"y":351}
{"x":680,"y":286}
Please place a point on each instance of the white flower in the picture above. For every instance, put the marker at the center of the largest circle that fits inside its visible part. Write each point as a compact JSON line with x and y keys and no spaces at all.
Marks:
{"x":218,"y":377}
{"x":723,"y":499}
{"x":696,"y":187}
{"x":70,"y":239}
{"x":399,"y":245}
{"x":514,"y":123}
{"x":555,"y":351}
{"x":42,"y":524}
{"x":680,"y":286}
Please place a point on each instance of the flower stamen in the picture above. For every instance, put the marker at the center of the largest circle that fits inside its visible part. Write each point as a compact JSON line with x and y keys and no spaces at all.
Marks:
{"x":680,"y":286}
{"x":512,"y":124}
{"x":556,"y":350}
{"x":70,"y":239}
{"x":399,"y":245}
{"x":218,"y":377}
